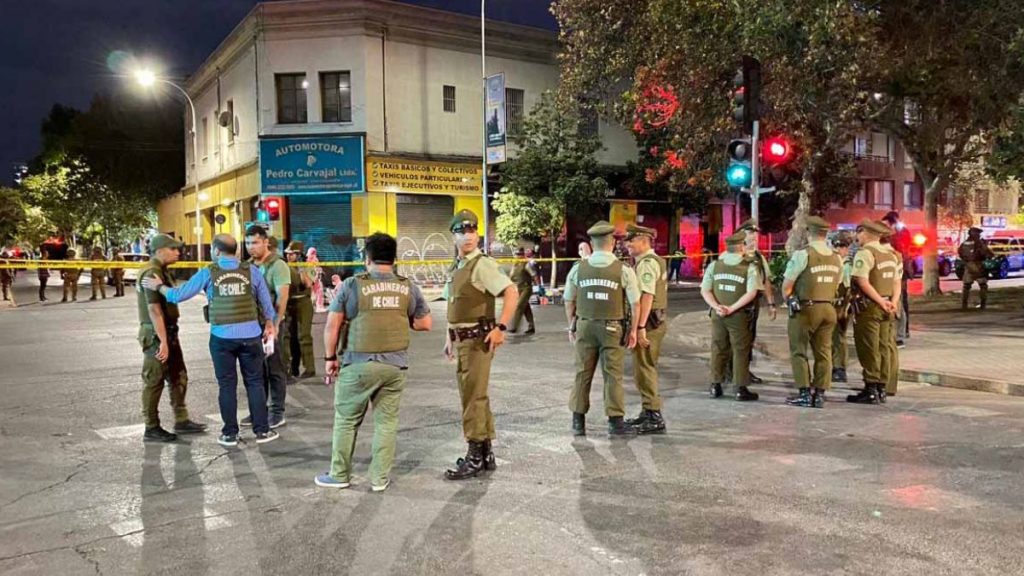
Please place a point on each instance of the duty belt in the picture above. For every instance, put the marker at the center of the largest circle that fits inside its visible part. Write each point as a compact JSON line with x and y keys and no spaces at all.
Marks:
{"x":813,"y":302}
{"x":471,"y":333}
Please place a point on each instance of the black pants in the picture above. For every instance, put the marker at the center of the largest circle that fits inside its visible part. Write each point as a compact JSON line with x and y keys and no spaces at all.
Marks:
{"x":42,"y":289}
{"x":275,"y":381}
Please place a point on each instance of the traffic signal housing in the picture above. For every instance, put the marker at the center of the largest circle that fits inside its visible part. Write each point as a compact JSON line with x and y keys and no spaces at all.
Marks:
{"x":739,"y":173}
{"x":273,"y":208}
{"x":776,"y":151}
{"x":746,"y":94}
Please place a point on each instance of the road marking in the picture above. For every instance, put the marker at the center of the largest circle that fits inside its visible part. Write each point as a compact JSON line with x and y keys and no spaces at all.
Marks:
{"x":121,"y":432}
{"x":965,"y":411}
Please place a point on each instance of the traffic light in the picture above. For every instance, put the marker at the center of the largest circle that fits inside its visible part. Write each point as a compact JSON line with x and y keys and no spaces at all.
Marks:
{"x":273,"y":208}
{"x":776,"y":151}
{"x":739,"y":172}
{"x":261,"y":212}
{"x":746,"y":94}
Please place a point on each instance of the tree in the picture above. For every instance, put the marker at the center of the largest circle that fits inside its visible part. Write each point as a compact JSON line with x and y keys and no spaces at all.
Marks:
{"x":36,"y":229}
{"x":946,"y":88}
{"x":554,"y":171}
{"x":12,"y":215}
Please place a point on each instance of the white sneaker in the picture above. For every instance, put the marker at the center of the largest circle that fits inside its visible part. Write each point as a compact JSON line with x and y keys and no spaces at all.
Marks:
{"x":381,"y":487}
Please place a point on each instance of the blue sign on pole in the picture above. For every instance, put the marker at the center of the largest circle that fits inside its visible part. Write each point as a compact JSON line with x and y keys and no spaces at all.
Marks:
{"x":307,"y":166}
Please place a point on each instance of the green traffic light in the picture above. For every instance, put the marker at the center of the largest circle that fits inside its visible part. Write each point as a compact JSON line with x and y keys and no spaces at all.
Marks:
{"x":262,"y":216}
{"x":738,"y":176}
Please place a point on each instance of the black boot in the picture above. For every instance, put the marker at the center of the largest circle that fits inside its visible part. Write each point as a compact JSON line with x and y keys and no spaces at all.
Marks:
{"x":802,"y":398}
{"x":640,"y":419}
{"x":869,"y":395}
{"x":839,"y":375}
{"x":653,"y":423}
{"x":715,"y":390}
{"x":984,"y":296}
{"x":755,"y":379}
{"x":579,"y":424}
{"x":470,"y":466}
{"x":880,"y":392}
{"x":618,"y":427}
{"x":490,"y":463}
{"x":743,"y":394}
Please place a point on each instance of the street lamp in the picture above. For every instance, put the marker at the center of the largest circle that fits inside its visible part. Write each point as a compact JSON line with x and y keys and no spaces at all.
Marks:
{"x":483,"y":116}
{"x":147,"y":79}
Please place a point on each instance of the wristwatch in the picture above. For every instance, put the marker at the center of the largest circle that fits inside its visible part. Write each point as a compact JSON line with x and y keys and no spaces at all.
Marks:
{"x":502,"y":327}
{"x":331,"y":359}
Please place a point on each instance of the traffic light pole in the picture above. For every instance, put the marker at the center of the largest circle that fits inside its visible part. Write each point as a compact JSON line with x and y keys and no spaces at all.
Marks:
{"x":755,"y":172}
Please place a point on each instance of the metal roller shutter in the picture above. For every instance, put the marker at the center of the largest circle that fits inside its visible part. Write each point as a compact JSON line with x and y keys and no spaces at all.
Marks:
{"x":325,"y":223}
{"x":423,"y":235}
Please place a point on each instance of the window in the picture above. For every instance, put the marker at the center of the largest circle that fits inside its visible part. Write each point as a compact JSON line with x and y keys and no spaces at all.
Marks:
{"x":862,"y":147}
{"x":291,"y":98}
{"x":449,"y":99}
{"x":913,"y":196}
{"x":514,"y":109}
{"x":881,"y":194}
{"x":205,"y":137}
{"x":981,"y":198}
{"x":231,"y":122}
{"x":336,"y":96}
{"x":588,"y":123}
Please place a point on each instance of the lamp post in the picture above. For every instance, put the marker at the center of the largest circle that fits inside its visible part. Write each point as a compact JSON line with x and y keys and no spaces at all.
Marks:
{"x":483,"y":116}
{"x":147,"y":79}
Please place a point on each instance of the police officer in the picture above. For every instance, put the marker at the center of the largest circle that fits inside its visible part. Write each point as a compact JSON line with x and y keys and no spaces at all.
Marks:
{"x":238,"y":298}
{"x":7,"y":278}
{"x":43,"y":275}
{"x":730,"y":287}
{"x":652,"y":277}
{"x":162,"y":361}
{"x":117,"y":273}
{"x":766,"y":296}
{"x":279,"y":280}
{"x":98,"y":280}
{"x":602,"y":304}
{"x":300,"y":313}
{"x":380,"y":307}
{"x":890,"y":348}
{"x":974,"y":251}
{"x":810,"y":285}
{"x":842,"y":244}
{"x":70,"y":277}
{"x":524,"y":274}
{"x":474,"y":281}
{"x":875,"y":280}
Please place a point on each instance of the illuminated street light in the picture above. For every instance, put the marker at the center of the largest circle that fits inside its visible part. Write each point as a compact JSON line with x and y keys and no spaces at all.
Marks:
{"x":145,"y":78}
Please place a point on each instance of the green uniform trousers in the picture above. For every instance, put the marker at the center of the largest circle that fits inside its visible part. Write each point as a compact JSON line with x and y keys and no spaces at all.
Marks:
{"x":599,"y":340}
{"x":156,"y":374}
{"x":645,"y":368}
{"x":523,"y":308}
{"x":891,"y":360}
{"x":358,"y":386}
{"x":872,"y":329}
{"x":300,"y":335}
{"x":98,"y":282}
{"x":812,"y":326}
{"x":473,"y":371}
{"x":118,"y":282}
{"x":731,"y":341}
{"x":70,"y":286}
{"x":840,"y":352}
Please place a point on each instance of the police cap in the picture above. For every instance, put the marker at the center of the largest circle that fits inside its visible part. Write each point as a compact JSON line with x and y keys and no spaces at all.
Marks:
{"x":600,"y":229}
{"x":163,"y":241}
{"x":748,"y":224}
{"x":817,"y":223}
{"x":738,"y":237}
{"x":874,"y":227}
{"x":461,"y":219}
{"x":632,"y":231}
{"x":295,"y":246}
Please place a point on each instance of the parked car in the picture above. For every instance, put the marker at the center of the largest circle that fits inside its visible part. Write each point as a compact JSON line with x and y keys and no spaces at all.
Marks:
{"x":1009,"y":257}
{"x":946,"y":264}
{"x":130,"y":274}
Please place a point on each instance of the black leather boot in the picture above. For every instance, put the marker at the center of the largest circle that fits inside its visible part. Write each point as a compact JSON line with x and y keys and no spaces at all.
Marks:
{"x":652,"y":424}
{"x":640,"y":419}
{"x":470,"y":466}
{"x":579,"y":424}
{"x":880,"y":392}
{"x":490,"y":463}
{"x":743,"y":394}
{"x":839,"y":375}
{"x":755,"y":379}
{"x":869,"y":395}
{"x":715,"y":390}
{"x":802,"y":399}
{"x":618,"y":427}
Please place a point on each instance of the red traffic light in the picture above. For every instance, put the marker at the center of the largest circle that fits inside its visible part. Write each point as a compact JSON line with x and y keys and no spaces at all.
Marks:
{"x":273,"y":208}
{"x":273,"y":203}
{"x":776,"y":150}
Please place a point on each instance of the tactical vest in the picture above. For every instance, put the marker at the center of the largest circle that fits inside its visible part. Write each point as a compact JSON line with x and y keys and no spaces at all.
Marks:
{"x":521,"y":276}
{"x":600,"y":294}
{"x":971,"y":251}
{"x":821,"y":278}
{"x":883,"y":274}
{"x":661,"y":285}
{"x":232,"y":295}
{"x":381,"y":323}
{"x":842,"y":290}
{"x":170,"y":311}
{"x":467,"y":304}
{"x":298,"y":288}
{"x":730,"y":281}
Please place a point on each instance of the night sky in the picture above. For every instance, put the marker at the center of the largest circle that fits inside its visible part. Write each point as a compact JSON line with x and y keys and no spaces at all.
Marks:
{"x":55,"y":51}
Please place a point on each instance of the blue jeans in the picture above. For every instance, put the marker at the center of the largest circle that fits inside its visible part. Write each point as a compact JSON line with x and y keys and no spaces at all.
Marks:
{"x":247,"y":353}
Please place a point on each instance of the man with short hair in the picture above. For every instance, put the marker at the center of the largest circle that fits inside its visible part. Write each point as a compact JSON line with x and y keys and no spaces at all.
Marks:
{"x":279,"y":281}
{"x":98,"y":276}
{"x":901,"y":241}
{"x":379,"y":307}
{"x":651,"y":325}
{"x":973,"y":252}
{"x":524,"y":274}
{"x":70,"y":277}
{"x":767,"y":292}
{"x":237,"y":296}
{"x":162,"y":361}
{"x":117,"y":273}
{"x":300,"y":314}
{"x":842,"y":244}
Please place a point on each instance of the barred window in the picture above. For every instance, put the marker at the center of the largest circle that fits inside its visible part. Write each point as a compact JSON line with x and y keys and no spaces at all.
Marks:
{"x":514,"y":111}
{"x":336,"y":96}
{"x":449,"y":99}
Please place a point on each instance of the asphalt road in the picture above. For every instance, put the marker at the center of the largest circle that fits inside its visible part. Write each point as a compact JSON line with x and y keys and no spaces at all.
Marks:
{"x":927,"y":484}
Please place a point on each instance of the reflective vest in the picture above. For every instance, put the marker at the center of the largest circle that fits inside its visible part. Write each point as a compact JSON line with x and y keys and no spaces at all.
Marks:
{"x":381,"y":323}
{"x":232,"y":298}
{"x":600,"y":294}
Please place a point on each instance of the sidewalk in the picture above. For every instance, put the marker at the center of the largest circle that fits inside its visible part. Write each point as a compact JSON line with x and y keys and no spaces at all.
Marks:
{"x":972,"y":350}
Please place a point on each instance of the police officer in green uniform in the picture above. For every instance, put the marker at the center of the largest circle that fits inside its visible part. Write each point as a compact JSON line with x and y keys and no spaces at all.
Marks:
{"x":840,"y":354}
{"x":874,"y":278}
{"x":98,"y":276}
{"x":810,"y":285}
{"x":766,"y":296}
{"x":652,"y":276}
{"x":974,"y":251}
{"x":474,"y":281}
{"x":7,"y":278}
{"x":602,"y":299}
{"x":70,"y":277}
{"x":730,"y":287}
{"x":523,"y":274}
{"x":279,"y":280}
{"x":890,"y":348}
{"x":380,"y":307}
{"x":117,"y":273}
{"x":300,"y":314}
{"x":162,"y":361}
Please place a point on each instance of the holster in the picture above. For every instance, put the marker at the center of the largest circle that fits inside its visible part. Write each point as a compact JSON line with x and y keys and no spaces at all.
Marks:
{"x":655,"y":319}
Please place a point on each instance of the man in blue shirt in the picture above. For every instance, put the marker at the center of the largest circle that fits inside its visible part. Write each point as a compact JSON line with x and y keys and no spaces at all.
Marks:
{"x":237,"y":294}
